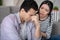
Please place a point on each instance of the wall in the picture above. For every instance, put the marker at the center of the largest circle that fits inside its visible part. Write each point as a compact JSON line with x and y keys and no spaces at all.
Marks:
{"x":39,"y":2}
{"x":8,"y":3}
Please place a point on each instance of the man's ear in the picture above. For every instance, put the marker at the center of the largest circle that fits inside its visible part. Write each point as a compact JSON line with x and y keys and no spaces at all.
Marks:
{"x":22,"y":10}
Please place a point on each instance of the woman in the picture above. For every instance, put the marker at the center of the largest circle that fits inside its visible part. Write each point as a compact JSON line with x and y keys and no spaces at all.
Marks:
{"x":45,"y":17}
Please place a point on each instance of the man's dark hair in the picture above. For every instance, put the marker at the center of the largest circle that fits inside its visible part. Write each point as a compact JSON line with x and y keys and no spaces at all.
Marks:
{"x":26,"y":5}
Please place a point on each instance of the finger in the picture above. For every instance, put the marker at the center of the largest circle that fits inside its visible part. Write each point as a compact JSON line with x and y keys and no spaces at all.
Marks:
{"x":37,"y":16}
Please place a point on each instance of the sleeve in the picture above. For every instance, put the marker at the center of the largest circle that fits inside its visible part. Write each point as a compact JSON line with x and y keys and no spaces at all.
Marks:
{"x":8,"y":30}
{"x":49,"y":30}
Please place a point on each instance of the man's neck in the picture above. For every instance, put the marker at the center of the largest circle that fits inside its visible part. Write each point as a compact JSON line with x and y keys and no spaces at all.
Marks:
{"x":21,"y":17}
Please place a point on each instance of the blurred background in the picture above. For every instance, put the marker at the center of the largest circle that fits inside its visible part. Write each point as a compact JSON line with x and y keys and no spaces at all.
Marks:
{"x":12,"y":6}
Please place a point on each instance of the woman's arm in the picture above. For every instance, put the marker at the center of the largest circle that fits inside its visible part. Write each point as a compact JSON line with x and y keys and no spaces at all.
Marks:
{"x":47,"y":33}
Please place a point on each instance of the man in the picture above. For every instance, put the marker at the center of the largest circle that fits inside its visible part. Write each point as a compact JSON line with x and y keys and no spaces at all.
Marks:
{"x":19,"y":26}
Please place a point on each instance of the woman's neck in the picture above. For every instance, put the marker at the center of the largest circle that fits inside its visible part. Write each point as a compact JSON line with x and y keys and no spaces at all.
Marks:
{"x":43,"y":18}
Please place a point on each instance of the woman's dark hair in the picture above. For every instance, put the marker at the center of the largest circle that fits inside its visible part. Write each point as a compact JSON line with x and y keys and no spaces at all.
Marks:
{"x":28,"y":4}
{"x":50,"y":4}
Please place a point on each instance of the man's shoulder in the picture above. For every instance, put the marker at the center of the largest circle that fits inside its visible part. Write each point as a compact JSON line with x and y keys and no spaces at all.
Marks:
{"x":10,"y":17}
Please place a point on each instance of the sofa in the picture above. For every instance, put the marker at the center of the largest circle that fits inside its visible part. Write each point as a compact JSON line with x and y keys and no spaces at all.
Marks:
{"x":6,"y":10}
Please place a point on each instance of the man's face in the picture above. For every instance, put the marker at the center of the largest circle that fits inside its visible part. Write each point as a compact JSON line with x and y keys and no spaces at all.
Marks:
{"x":29,"y":14}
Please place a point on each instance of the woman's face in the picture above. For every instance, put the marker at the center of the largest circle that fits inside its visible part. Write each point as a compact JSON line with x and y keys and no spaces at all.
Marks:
{"x":44,"y":10}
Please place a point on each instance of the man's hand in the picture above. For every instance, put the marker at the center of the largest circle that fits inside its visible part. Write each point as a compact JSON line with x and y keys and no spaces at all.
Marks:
{"x":35,"y":19}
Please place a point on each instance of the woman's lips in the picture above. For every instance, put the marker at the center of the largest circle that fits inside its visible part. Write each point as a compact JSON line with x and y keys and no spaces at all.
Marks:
{"x":41,"y":14}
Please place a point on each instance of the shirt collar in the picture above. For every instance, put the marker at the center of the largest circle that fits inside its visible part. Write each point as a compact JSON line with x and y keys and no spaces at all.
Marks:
{"x":18,"y":17}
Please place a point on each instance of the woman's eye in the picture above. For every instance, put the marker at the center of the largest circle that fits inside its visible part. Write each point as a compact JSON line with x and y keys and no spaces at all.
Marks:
{"x":31,"y":15}
{"x":41,"y":7}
